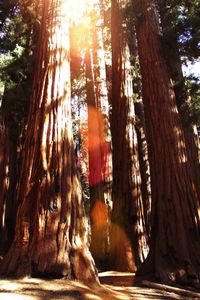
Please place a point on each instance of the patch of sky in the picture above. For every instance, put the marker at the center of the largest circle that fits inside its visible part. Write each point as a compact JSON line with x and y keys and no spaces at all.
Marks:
{"x":185,"y":37}
{"x":192,"y":68}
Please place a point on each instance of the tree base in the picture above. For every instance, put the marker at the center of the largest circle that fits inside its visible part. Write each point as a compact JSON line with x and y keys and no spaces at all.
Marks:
{"x":81,"y":267}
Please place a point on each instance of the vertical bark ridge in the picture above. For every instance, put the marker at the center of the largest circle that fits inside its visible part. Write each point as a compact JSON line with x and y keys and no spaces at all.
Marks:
{"x":183,"y":100}
{"x":175,"y":204}
{"x":126,"y":215}
{"x":50,"y":236}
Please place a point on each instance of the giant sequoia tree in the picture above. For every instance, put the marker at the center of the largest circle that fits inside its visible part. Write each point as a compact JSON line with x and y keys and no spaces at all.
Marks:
{"x":183,"y":98}
{"x":175,"y":247}
{"x":127,"y":234}
{"x":50,"y":234}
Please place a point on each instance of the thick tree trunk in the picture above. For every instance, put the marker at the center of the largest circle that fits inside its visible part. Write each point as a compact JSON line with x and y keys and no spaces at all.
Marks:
{"x":183,"y":100}
{"x":127,"y":215}
{"x":175,"y":247}
{"x":50,"y":236}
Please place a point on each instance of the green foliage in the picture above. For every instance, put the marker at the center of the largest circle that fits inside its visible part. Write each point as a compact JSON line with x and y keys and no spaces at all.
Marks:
{"x":193,"y":86}
{"x":181,"y":32}
{"x":16,"y":49}
{"x":182,"y":22}
{"x":188,"y":29}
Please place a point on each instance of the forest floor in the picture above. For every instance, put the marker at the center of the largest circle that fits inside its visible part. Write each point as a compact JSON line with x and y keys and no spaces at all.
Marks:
{"x":114,"y":285}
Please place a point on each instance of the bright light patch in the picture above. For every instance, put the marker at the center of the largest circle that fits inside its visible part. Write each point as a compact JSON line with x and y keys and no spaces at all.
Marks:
{"x":78,"y":8}
{"x":192,"y":69}
{"x":9,"y":296}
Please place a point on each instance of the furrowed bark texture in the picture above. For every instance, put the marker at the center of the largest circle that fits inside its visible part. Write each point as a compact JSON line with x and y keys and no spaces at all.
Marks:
{"x":50,"y":237}
{"x":175,"y":248}
{"x":127,"y":214}
{"x":183,"y":100}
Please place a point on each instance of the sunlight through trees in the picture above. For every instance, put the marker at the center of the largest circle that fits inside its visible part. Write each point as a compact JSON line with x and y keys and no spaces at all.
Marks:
{"x":99,"y":143}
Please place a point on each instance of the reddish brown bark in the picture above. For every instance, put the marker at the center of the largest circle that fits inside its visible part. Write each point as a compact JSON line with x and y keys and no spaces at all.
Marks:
{"x":50,"y":236}
{"x":183,"y":100}
{"x":175,"y":250}
{"x":126,"y":218}
{"x":8,"y":183}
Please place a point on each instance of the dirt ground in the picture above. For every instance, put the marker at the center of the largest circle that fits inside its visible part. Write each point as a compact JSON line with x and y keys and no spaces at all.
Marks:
{"x":114,"y":285}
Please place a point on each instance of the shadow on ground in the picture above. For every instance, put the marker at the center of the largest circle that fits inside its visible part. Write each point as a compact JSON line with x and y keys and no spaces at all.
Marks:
{"x":114,"y":285}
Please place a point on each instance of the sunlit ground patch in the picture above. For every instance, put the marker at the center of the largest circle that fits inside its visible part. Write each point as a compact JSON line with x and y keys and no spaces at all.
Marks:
{"x":8,"y":296}
{"x":38,"y":289}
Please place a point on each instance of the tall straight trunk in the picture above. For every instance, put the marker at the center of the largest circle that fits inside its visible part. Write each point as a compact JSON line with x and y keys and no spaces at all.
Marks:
{"x":127,"y":215}
{"x":102,"y":103}
{"x":50,"y":234}
{"x":175,"y":249}
{"x":11,"y":204}
{"x":141,"y":133}
{"x":3,"y":183}
{"x":182,"y":94}
{"x":98,"y":208}
{"x":144,"y":166}
{"x":8,"y":184}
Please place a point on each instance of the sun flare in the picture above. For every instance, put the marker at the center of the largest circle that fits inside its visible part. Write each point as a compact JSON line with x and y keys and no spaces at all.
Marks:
{"x":78,"y":8}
